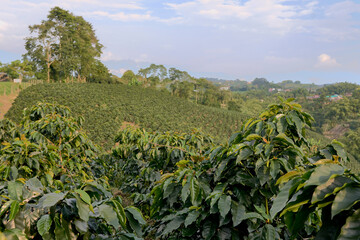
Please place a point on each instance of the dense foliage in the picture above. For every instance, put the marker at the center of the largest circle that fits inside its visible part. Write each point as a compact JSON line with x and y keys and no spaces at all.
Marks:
{"x":257,"y":186}
{"x":48,"y":187}
{"x":64,"y":46}
{"x":106,"y":107}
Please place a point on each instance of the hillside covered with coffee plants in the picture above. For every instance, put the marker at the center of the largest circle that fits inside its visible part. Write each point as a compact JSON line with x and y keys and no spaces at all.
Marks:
{"x":106,"y":107}
{"x":266,"y":182}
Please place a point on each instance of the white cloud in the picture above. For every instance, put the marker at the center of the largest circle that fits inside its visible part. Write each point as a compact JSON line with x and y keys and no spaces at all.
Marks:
{"x":110,"y":56}
{"x":96,"y":4}
{"x":121,"y":16}
{"x":253,"y":15}
{"x":326,"y":61}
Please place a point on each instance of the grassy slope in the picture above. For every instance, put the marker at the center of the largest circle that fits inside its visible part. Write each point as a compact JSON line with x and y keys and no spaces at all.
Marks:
{"x":106,"y":107}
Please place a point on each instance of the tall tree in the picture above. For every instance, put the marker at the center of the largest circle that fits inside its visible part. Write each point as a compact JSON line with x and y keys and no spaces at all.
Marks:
{"x":63,"y":46}
{"x":17,"y":69}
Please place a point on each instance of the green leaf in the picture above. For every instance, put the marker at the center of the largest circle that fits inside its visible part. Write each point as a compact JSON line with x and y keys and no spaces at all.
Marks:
{"x":253,"y":215}
{"x":83,"y":208}
{"x":345,"y":199}
{"x":294,"y":207}
{"x":297,"y":121}
{"x":107,"y":212}
{"x":283,"y":138}
{"x":208,"y":230}
{"x":44,"y":224}
{"x":252,"y":137}
{"x":135,"y":212}
{"x":134,"y":224}
{"x":15,"y":190}
{"x":281,"y":125}
{"x":281,"y":199}
{"x":324,"y":190}
{"x":351,"y":229}
{"x":14,"y":209}
{"x":224,"y":233}
{"x":270,"y":232}
{"x":51,"y":199}
{"x":323,"y":172}
{"x":224,"y":205}
{"x":32,"y":188}
{"x":84,"y":196}
{"x":194,"y":191}
{"x":120,"y":212}
{"x":191,"y":217}
{"x":339,"y":149}
{"x":274,"y":168}
{"x":81,"y":226}
{"x":238,"y":213}
{"x":5,"y":207}
{"x":244,"y":154}
{"x":173,"y":225}
{"x":185,"y":190}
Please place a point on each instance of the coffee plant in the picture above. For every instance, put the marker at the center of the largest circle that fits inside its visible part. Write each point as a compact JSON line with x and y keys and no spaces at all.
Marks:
{"x":48,"y":183}
{"x":250,"y":188}
{"x":266,"y":182}
{"x":141,"y":157}
{"x":106,"y":106}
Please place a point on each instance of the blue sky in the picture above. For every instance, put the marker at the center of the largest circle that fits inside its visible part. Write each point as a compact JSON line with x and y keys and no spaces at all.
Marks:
{"x":306,"y":40}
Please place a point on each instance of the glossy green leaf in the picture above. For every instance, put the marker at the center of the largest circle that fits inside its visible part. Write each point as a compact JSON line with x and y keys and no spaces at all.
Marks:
{"x":244,"y":154}
{"x":136,"y":213}
{"x":324,"y":190}
{"x":238,"y":213}
{"x":323,"y":172}
{"x":84,"y":196}
{"x":81,"y":226}
{"x":51,"y":199}
{"x":15,"y":190}
{"x":185,"y":192}
{"x":120,"y":212}
{"x":191,"y":217}
{"x":281,"y":199}
{"x":208,"y":230}
{"x":173,"y":225}
{"x":5,"y":207}
{"x":351,"y":229}
{"x":224,"y":205}
{"x":270,"y":232}
{"x":345,"y":199}
{"x":14,"y":209}
{"x":194,"y":191}
{"x":108,"y":213}
{"x":83,"y":208}
{"x":44,"y":224}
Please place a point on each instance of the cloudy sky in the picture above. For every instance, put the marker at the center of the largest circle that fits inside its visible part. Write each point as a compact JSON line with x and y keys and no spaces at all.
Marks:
{"x":306,"y":40}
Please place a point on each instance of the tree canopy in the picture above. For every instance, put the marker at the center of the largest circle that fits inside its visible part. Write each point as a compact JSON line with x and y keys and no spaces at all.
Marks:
{"x":63,"y":46}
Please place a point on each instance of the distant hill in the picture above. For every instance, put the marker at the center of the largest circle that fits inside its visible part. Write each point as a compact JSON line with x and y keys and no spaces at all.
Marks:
{"x":242,"y":85}
{"x":107,"y":107}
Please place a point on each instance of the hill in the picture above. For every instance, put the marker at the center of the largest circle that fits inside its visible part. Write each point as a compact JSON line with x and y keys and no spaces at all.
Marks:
{"x":107,"y":107}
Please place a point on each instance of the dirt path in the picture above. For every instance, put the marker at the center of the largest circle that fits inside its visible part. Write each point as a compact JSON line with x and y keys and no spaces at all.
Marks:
{"x":6,"y":102}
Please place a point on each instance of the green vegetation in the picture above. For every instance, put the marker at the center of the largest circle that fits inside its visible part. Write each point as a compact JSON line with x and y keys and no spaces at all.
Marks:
{"x":106,"y":107}
{"x":8,"y":87}
{"x":16,"y":69}
{"x":273,"y":179}
{"x":65,"y":46}
{"x":267,"y":182}
{"x":49,"y":187}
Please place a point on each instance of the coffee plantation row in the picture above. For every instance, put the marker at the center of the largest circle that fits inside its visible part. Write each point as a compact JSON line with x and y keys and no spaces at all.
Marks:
{"x":106,"y":107}
{"x":266,"y":182}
